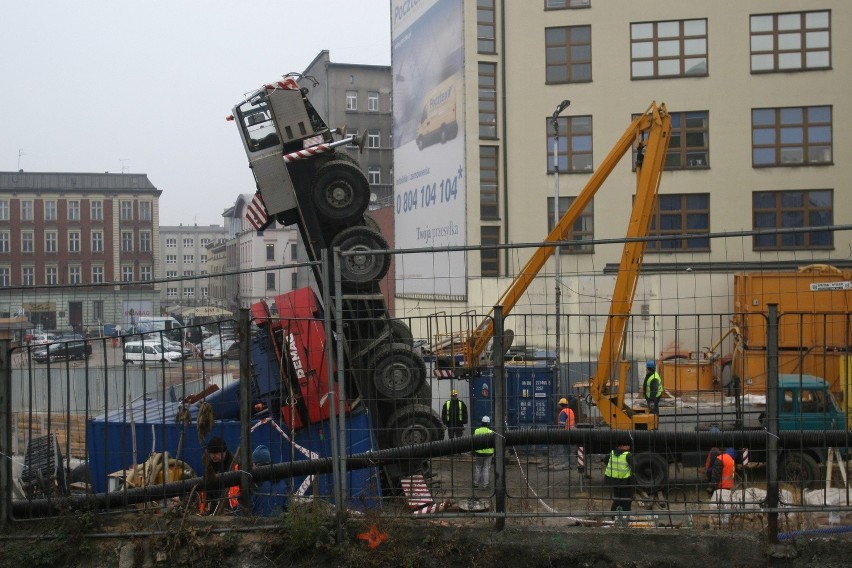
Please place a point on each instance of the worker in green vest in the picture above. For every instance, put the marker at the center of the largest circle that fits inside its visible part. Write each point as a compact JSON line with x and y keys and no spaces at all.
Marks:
{"x":652,"y":387}
{"x":483,"y":456}
{"x":619,"y":474}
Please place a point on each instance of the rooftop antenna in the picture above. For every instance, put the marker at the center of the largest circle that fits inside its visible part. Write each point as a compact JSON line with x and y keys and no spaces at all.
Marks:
{"x":124,"y":168}
{"x":20,"y":153}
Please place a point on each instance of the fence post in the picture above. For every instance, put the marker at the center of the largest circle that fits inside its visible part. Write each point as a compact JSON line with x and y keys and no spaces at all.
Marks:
{"x":772,"y":422}
{"x":498,"y":353}
{"x":5,"y":431}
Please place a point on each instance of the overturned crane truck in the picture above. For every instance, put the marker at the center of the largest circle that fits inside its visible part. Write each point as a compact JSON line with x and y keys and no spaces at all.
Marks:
{"x":688,"y":427}
{"x":303,"y":180}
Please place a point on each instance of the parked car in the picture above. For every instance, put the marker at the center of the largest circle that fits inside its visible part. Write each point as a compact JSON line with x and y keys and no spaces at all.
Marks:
{"x":148,"y":352}
{"x":233,"y":352}
{"x":168,"y":344}
{"x":42,"y":338}
{"x":63,"y":350}
{"x":218,"y":351}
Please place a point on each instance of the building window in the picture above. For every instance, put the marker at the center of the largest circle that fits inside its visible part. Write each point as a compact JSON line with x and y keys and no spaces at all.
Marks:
{"x":5,"y":277}
{"x":678,"y":214}
{"x":171,"y":243}
{"x":675,"y":48}
{"x":171,"y":292}
{"x":204,"y":292}
{"x":373,"y":139}
{"x":270,"y":251}
{"x":188,"y":258}
{"x":203,"y":259}
{"x":127,"y":273}
{"x":294,"y":280}
{"x":98,"y":310}
{"x":126,"y":210}
{"x":144,"y":210}
{"x":171,"y":274}
{"x":374,"y":175}
{"x":189,"y":292}
{"x":488,"y":100}
{"x":489,"y":199}
{"x":145,"y":273}
{"x":73,"y":241}
{"x":351,"y":100}
{"x":582,"y":230}
{"x":790,"y":42}
{"x":568,"y":54}
{"x":789,"y":210}
{"x":189,"y":273}
{"x":563,"y":4}
{"x":144,"y":241}
{"x":189,"y":242}
{"x":485,"y":27}
{"x":26,"y":210}
{"x":574,"y":147}
{"x":50,"y":211}
{"x":97,"y":274}
{"x":51,"y":275}
{"x":4,"y":210}
{"x":490,"y":258}
{"x":791,"y":136}
{"x":5,"y":244}
{"x":96,"y":210}
{"x":50,"y":241}
{"x":204,"y":242}
{"x":74,"y":274}
{"x":27,"y":242}
{"x":270,"y":281}
{"x":28,"y":276}
{"x":373,"y":101}
{"x":73,"y":210}
{"x":171,"y":259}
{"x":689,"y":145}
{"x":127,"y":241}
{"x":97,"y":241}
{"x":294,"y":251}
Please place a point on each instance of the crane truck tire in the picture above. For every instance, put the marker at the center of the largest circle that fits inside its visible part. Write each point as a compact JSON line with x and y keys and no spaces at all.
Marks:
{"x":397,"y":371}
{"x":800,"y":469}
{"x":361,"y":269}
{"x":340,"y":192}
{"x":415,"y":424}
{"x":650,"y":471}
{"x":400,"y":332}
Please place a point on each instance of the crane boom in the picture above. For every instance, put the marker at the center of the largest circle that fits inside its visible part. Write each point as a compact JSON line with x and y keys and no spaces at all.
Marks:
{"x":650,"y":133}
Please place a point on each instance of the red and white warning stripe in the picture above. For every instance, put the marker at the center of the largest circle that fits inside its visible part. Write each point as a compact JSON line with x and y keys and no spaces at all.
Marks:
{"x":745,"y":456}
{"x":581,"y":457}
{"x":419,"y":496}
{"x":307,"y":153}
{"x":286,"y":83}
{"x":444,"y":373}
{"x":256,"y":212}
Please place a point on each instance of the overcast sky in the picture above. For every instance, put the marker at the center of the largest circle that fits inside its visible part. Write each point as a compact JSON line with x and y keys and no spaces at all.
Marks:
{"x":144,"y":86}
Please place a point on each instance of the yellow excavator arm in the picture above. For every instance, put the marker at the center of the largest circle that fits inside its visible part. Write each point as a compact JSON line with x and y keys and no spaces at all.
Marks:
{"x":649,"y":133}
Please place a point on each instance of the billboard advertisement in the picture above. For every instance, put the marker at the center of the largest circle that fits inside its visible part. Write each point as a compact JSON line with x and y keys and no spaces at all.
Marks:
{"x":427,"y":62}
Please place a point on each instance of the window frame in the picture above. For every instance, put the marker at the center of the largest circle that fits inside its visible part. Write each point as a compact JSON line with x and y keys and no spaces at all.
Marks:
{"x":126,"y":210}
{"x":5,"y":210}
{"x":374,"y":139}
{"x":27,"y":210}
{"x":145,"y":241}
{"x":486,"y":27}
{"x":372,"y":101}
{"x":75,"y":274}
{"x":126,"y":241}
{"x":98,"y":276}
{"x":351,"y":101}
{"x":487,"y":100}
{"x":489,"y":259}
{"x":655,"y":41}
{"x":73,"y":209}
{"x":51,"y":242}
{"x":51,"y":210}
{"x":782,"y":128}
{"x":27,"y":242}
{"x":583,"y":228}
{"x":780,"y":212}
{"x":5,"y":241}
{"x":570,"y":57}
{"x":575,"y":148}
{"x":489,"y":182}
{"x":145,"y":211}
{"x":567,"y":4}
{"x":777,"y":33}
{"x":96,"y":210}
{"x":683,"y":212}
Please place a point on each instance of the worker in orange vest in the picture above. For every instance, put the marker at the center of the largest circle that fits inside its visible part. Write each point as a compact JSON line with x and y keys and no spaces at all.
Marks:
{"x":721,"y":470}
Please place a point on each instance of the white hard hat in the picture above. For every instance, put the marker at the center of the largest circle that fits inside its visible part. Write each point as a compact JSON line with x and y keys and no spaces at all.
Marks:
{"x":486,"y":420}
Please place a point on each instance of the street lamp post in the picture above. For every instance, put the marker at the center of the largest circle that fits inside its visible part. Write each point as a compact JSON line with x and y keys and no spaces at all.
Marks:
{"x":558,"y":262}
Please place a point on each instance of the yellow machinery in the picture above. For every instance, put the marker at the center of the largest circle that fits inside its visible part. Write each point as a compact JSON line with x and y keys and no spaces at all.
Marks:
{"x":649,"y":134}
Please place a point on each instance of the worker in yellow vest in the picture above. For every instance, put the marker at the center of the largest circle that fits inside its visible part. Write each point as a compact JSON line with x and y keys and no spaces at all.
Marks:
{"x":619,"y":474}
{"x":483,"y":456}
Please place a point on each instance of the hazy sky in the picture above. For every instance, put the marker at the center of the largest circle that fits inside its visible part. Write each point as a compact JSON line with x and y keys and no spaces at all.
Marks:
{"x":144,"y":86}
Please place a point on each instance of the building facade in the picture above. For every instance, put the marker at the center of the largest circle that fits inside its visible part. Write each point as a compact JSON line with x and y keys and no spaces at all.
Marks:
{"x":758,"y":95}
{"x":185,"y":256}
{"x":78,"y":250}
{"x":359,"y":98}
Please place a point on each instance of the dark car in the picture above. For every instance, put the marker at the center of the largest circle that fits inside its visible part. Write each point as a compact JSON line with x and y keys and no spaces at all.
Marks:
{"x":63,"y":350}
{"x":233,"y":352}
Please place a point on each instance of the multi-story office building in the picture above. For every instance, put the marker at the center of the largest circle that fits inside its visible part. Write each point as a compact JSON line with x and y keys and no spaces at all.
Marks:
{"x":359,"y":98}
{"x":185,"y":255}
{"x":76,"y":249}
{"x":758,"y":95}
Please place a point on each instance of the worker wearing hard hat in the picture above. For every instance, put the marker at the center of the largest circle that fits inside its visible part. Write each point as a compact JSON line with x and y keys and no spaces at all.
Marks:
{"x":652,"y":388}
{"x":454,"y":415}
{"x":483,"y":456}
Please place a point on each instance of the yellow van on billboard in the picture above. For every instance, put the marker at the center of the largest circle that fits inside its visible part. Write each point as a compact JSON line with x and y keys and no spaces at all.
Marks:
{"x":439,"y":119}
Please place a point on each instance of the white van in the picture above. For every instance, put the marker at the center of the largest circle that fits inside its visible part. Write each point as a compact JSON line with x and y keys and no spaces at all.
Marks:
{"x":148,"y":352}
